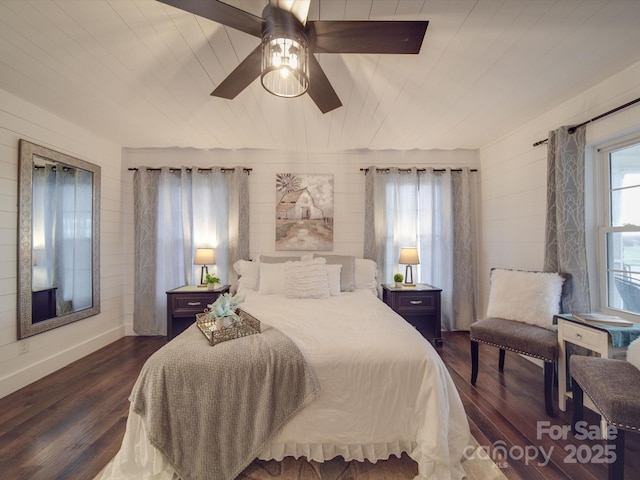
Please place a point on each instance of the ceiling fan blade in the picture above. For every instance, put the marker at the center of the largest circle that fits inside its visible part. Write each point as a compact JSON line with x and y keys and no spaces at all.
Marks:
{"x":242,"y":76}
{"x":221,"y":13}
{"x":299,"y":8}
{"x":320,"y":89}
{"x":367,"y":36}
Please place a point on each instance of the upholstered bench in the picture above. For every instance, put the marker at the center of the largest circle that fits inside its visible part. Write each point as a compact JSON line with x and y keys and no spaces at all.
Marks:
{"x":614,"y":388}
{"x":518,"y":337}
{"x":517,"y":301}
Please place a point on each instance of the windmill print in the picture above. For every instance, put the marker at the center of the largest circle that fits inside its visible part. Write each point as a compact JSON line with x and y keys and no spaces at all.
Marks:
{"x":304,"y":212}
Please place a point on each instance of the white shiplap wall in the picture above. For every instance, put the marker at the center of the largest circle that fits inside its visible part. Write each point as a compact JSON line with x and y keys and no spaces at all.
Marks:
{"x":349,"y":184}
{"x":24,"y":361}
{"x":513,"y":173}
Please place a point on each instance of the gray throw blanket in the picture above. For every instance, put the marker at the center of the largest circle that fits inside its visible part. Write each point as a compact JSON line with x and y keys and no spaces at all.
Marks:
{"x":211,"y":410}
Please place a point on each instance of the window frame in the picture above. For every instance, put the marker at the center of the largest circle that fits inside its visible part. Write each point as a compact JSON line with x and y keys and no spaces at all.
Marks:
{"x":603,"y":219}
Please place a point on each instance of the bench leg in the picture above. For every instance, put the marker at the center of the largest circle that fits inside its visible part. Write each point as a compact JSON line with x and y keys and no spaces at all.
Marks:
{"x":501,"y":360}
{"x":578,"y":399}
{"x":474,"y":362}
{"x":548,"y":387}
{"x":616,"y":468}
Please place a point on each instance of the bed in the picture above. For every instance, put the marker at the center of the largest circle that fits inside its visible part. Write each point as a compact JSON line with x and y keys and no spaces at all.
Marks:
{"x":382,"y":388}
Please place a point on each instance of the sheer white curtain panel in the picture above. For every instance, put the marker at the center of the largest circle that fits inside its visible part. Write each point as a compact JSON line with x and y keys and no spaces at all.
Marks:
{"x":178,"y":210}
{"x":431,"y":210}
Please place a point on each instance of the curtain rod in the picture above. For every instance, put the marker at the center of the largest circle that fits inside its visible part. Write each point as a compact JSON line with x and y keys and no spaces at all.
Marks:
{"x":365,"y":170}
{"x":224,"y":169}
{"x":573,"y":128}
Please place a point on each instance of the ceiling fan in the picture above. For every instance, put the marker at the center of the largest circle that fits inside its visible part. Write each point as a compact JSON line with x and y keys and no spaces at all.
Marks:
{"x":284,"y":59}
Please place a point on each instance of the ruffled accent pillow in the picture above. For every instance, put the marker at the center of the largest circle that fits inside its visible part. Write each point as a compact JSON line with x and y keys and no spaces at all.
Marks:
{"x":633,"y":353}
{"x":529,"y":297}
{"x":306,"y":279}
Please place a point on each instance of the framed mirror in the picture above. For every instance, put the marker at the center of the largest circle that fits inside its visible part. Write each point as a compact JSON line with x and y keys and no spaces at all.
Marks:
{"x":58,"y":239}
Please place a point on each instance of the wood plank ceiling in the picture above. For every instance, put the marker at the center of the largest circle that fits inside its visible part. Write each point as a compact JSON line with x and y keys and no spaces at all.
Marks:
{"x":140,"y":73}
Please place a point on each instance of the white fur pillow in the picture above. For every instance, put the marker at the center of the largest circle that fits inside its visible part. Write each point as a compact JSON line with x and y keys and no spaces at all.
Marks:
{"x":529,"y":297}
{"x":633,"y":353}
{"x":306,"y":280}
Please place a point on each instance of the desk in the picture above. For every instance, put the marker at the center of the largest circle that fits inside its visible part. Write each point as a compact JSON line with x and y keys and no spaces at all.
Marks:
{"x":592,"y":337}
{"x":183,"y":303}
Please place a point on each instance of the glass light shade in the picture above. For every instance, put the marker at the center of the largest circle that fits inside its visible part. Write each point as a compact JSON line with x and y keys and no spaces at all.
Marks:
{"x":285,"y":64}
{"x":205,"y":256}
{"x":409,"y":256}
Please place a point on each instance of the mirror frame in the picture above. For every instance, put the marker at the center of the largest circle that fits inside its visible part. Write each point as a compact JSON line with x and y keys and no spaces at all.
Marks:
{"x":26,"y":328}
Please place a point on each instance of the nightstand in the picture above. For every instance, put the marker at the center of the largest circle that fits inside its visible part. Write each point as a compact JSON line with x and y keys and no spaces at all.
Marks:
{"x":420,"y":306}
{"x":183,"y":303}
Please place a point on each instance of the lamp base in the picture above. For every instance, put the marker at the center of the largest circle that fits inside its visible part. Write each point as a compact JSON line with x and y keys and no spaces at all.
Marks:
{"x":408,"y":276}
{"x":203,"y":272}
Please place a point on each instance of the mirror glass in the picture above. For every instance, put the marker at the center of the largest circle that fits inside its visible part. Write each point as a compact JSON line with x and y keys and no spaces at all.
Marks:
{"x":58,"y":245}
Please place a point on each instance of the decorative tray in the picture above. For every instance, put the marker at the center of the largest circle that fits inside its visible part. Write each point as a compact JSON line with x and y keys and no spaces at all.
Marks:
{"x":248,"y":325}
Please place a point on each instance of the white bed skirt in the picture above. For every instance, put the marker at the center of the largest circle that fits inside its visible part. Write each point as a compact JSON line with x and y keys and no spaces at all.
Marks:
{"x":139,"y":459}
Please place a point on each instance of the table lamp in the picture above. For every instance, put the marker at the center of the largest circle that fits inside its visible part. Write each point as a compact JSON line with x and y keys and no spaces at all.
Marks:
{"x":204,"y":257}
{"x":409,"y":257}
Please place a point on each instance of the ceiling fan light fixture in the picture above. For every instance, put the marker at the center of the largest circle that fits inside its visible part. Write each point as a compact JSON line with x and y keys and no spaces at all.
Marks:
{"x":285,"y":63}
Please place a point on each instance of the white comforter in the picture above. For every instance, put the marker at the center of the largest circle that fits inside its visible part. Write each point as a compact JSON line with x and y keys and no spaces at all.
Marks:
{"x":384,"y":390}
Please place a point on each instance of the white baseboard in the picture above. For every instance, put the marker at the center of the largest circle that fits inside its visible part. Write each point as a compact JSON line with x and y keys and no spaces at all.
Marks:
{"x":16,"y":380}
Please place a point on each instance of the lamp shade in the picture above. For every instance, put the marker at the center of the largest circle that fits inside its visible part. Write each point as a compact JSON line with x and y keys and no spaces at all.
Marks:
{"x":409,"y":256}
{"x":205,"y":256}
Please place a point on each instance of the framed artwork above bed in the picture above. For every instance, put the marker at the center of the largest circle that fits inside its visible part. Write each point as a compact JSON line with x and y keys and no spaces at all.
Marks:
{"x":304,"y":211}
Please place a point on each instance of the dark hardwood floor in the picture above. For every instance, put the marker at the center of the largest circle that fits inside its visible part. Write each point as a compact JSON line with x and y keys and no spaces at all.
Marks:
{"x":70,"y":424}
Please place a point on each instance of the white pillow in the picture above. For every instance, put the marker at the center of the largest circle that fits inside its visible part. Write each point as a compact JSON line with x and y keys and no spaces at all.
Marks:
{"x":272,"y":278}
{"x":306,"y":280}
{"x":366,"y":275}
{"x":334,"y":279}
{"x":348,"y":262}
{"x":529,"y":297}
{"x":249,"y":273}
{"x":633,"y":353}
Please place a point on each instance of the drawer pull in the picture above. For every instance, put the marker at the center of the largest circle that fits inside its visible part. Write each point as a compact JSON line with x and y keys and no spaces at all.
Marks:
{"x":193,"y":304}
{"x":579,"y":336}
{"x":415,"y":302}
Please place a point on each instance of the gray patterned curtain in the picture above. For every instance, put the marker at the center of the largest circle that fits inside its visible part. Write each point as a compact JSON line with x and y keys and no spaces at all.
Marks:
{"x":565,"y":243}
{"x":177,"y":211}
{"x":434,"y":211}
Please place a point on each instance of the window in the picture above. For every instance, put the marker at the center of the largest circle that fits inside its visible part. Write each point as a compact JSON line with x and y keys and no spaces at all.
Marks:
{"x":619,"y":231}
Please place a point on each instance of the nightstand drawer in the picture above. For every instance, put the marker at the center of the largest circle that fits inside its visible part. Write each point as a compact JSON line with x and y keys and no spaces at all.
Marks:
{"x":418,"y":302}
{"x":184,"y":303}
{"x":190,"y":305}
{"x":584,"y":336}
